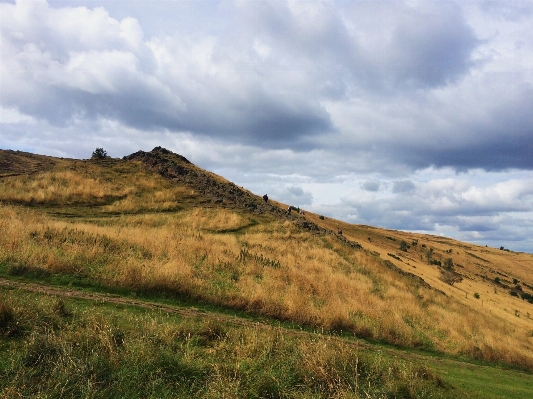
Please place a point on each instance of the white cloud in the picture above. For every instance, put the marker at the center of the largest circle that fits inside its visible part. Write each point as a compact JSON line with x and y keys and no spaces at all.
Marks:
{"x":366,"y":110}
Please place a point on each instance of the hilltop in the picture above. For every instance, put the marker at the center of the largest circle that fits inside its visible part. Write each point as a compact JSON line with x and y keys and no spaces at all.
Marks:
{"x":153,"y":224}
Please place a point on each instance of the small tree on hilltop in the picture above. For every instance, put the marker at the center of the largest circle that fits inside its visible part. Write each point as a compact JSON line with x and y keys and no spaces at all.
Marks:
{"x":99,"y":153}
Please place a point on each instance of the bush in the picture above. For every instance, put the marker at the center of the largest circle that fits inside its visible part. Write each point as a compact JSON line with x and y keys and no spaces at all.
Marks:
{"x":403,"y":246}
{"x":527,"y":297}
{"x":476,"y":295}
{"x":450,"y":277}
{"x":7,"y":315}
{"x":99,"y":153}
{"x":321,"y":217}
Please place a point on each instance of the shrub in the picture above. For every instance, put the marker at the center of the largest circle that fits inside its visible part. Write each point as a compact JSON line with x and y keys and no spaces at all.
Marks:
{"x":99,"y":153}
{"x":403,"y":246}
{"x":450,"y":277}
{"x":448,"y":264}
{"x":9,"y":325}
{"x":429,"y":255}
{"x":7,"y":315}
{"x":476,"y":295}
{"x":60,"y":308}
{"x":527,"y":297}
{"x":497,"y":280}
{"x":321,"y":217}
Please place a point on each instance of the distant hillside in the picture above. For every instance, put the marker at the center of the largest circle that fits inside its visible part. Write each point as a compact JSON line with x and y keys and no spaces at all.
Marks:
{"x":153,"y":222}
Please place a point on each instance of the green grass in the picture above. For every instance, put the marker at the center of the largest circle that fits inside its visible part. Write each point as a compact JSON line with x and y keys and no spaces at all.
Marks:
{"x":487,"y":382}
{"x":77,"y":348}
{"x":123,"y":351}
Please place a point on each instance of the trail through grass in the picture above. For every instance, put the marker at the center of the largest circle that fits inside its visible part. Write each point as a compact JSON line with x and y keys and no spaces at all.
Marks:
{"x":203,"y":355}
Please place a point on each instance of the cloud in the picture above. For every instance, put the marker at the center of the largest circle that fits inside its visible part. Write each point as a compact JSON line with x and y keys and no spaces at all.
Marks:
{"x":353,"y":103}
{"x":466,"y":207}
{"x":413,"y":45}
{"x":403,"y":186}
{"x":371,"y":185}
{"x":295,"y":195}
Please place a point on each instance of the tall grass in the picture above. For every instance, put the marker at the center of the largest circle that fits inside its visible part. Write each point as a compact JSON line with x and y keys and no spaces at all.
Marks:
{"x":272,"y":269}
{"x":120,"y":190}
{"x":58,"y":187}
{"x":100,"y":352}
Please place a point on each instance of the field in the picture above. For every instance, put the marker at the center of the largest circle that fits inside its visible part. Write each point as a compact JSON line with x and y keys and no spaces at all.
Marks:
{"x":284,"y":305}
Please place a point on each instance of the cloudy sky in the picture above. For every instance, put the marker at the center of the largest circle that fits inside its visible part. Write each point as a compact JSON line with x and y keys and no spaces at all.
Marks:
{"x":411,"y":115}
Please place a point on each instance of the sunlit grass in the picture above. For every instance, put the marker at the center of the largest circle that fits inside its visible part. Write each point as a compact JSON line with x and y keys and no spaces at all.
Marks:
{"x":271,"y":269}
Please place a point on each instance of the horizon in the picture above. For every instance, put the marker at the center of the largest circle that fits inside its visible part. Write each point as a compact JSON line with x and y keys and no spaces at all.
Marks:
{"x":408,"y":116}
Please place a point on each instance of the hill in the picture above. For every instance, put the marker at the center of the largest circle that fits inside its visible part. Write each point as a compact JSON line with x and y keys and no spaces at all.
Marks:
{"x":156,"y":226}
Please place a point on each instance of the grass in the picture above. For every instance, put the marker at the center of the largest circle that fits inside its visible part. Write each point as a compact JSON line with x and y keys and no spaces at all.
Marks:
{"x":115,"y":227}
{"x":128,"y":352}
{"x":489,"y":382}
{"x":317,"y":281}
{"x":123,"y":351}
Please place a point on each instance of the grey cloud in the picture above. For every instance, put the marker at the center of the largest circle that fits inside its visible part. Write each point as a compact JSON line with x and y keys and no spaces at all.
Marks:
{"x":432,"y":47}
{"x":124,"y":87}
{"x":479,"y":227}
{"x":404,"y":46}
{"x":296,"y":196}
{"x":371,"y":186}
{"x":476,"y":214}
{"x":403,"y":186}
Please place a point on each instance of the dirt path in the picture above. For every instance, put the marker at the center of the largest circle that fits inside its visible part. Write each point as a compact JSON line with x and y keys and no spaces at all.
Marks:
{"x":109,"y":298}
{"x":182,"y":311}
{"x":233,"y":320}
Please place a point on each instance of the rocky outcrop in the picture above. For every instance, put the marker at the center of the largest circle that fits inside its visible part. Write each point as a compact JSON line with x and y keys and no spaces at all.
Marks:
{"x":218,"y":191}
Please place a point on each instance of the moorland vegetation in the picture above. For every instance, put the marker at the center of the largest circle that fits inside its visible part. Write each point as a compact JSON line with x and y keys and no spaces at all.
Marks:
{"x":158,"y":227}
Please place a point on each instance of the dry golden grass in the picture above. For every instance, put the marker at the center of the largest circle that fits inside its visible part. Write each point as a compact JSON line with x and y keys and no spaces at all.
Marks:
{"x":240,"y":260}
{"x":478,"y":265}
{"x":117,"y":189}
{"x":61,"y":186}
{"x":272,"y":268}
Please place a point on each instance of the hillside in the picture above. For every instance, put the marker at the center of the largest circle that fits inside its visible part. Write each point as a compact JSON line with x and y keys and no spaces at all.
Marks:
{"x":155,"y":225}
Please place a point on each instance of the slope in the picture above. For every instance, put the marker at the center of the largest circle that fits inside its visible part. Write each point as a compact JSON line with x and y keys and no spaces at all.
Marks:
{"x":155,"y":224}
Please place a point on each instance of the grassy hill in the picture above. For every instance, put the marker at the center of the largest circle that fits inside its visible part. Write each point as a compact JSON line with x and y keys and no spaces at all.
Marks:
{"x":155,"y":227}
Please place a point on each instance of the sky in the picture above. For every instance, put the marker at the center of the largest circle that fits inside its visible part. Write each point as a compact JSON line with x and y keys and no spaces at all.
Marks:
{"x":408,"y":115}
